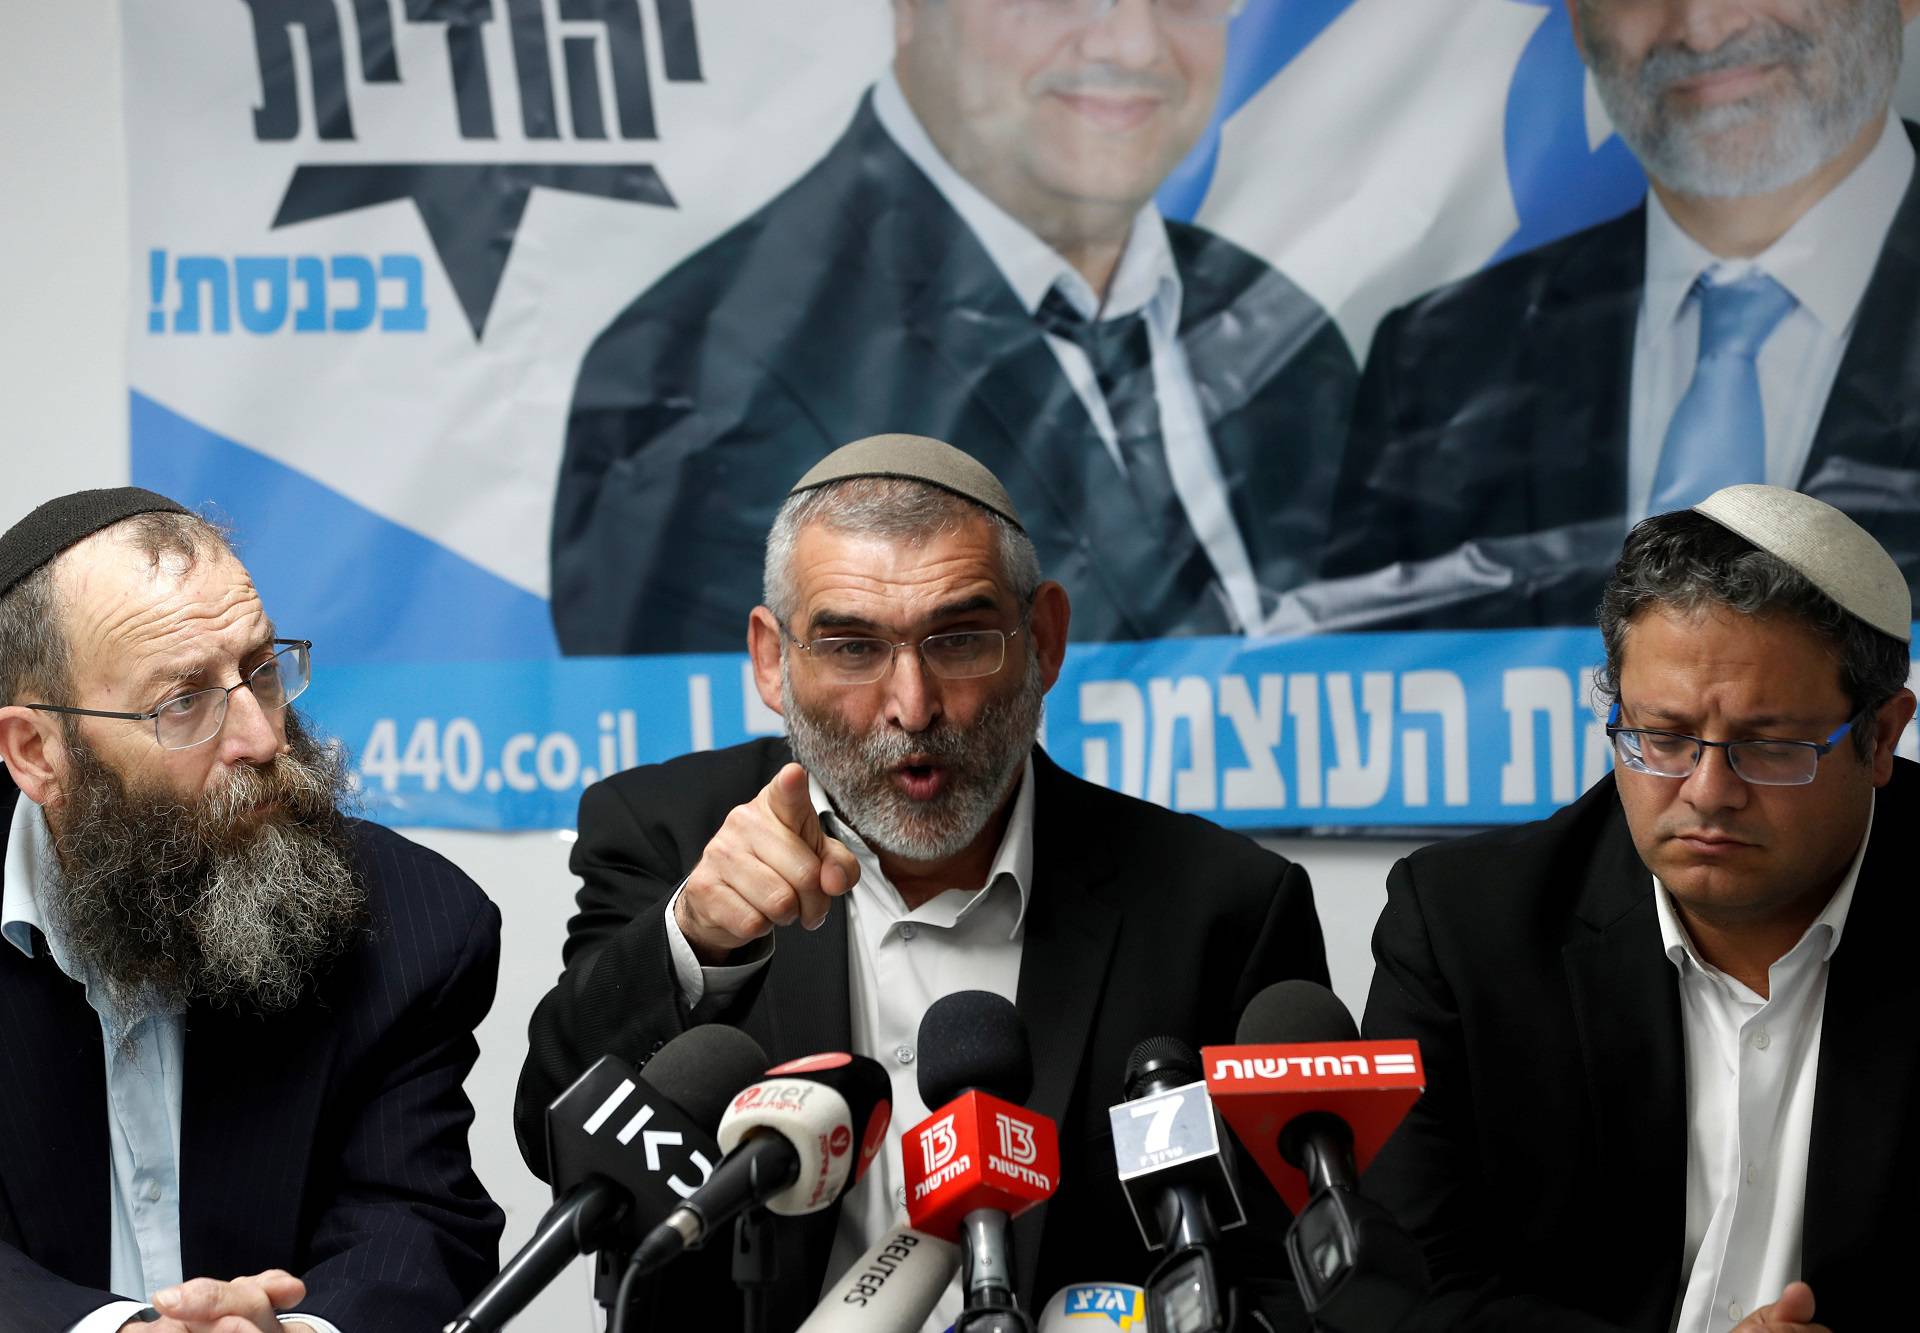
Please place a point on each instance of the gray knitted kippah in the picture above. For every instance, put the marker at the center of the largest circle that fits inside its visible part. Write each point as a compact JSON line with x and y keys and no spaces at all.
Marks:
{"x":1831,"y":551}
{"x":914,"y":458}
{"x":68,"y":520}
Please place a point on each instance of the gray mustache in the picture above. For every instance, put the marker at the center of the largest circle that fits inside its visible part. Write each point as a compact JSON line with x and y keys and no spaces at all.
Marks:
{"x":1768,"y":44}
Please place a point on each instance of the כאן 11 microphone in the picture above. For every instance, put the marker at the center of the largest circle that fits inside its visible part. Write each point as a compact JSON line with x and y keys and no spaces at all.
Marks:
{"x":624,"y":1150}
{"x":892,"y":1288}
{"x":1095,"y":1307}
{"x":793,"y":1141}
{"x":1313,"y":1103}
{"x":1177,"y":1172}
{"x":981,"y":1159}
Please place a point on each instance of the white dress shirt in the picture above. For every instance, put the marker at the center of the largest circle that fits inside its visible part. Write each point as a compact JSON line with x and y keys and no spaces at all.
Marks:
{"x":898,"y":963}
{"x":146,"y":1069}
{"x":1752,"y":1063}
{"x":1145,"y":280}
{"x":1825,"y":260}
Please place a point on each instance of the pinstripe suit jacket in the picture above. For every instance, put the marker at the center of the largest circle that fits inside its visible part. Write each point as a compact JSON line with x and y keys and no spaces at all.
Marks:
{"x":330,"y":1140}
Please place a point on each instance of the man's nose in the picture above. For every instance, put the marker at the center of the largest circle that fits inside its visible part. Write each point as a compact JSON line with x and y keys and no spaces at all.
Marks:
{"x":913,"y":692}
{"x":1713,"y":785}
{"x":1127,"y":35}
{"x":250,"y":734}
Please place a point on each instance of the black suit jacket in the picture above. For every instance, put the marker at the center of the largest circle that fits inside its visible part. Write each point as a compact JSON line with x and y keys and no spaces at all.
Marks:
{"x":1489,"y":443}
{"x":1545,"y":1167}
{"x":1139,"y":923}
{"x":859,"y":302}
{"x":329,"y":1140}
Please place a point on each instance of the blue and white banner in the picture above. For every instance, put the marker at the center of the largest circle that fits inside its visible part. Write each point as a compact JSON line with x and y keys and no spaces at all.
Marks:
{"x":402,"y":274}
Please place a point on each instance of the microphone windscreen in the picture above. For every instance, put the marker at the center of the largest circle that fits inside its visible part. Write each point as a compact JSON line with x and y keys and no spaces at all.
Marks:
{"x":974,"y":1039}
{"x":1290,"y":1012}
{"x":1168,"y":1060}
{"x":701,"y":1069}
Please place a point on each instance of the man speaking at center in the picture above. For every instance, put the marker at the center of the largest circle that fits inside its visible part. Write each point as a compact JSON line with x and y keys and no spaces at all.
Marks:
{"x":921,"y":844}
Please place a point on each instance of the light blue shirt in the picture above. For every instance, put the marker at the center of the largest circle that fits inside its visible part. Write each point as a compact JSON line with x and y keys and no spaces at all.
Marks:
{"x":145,"y":1068}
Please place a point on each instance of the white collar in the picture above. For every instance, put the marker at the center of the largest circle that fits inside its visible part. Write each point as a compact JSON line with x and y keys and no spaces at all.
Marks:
{"x":1825,"y":260}
{"x":1832,"y":920}
{"x":1146,"y":274}
{"x":1013,"y":860}
{"x":29,"y":851}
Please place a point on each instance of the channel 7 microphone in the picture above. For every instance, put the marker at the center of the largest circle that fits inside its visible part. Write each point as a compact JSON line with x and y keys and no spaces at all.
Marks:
{"x":981,"y":1159}
{"x":623,"y":1150}
{"x":1178,"y":1176}
{"x":1313,"y":1103}
{"x":794,"y":1142}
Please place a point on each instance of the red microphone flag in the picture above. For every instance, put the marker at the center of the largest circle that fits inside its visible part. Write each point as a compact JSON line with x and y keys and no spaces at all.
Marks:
{"x":977,"y":1151}
{"x":1259,"y":1089}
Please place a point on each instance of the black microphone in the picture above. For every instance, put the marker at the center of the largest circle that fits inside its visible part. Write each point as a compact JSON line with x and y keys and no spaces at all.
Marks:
{"x":794,"y":1141}
{"x":975,"y":1041}
{"x":1357,"y":1270}
{"x":623,"y":1151}
{"x":1178,"y":1175}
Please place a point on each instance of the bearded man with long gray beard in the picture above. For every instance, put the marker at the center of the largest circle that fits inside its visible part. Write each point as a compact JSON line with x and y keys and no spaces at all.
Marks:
{"x":1757,"y":319}
{"x":907,"y":638}
{"x":239,"y":1020}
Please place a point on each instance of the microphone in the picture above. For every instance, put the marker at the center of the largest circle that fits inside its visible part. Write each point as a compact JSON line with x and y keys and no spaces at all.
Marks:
{"x":893,"y":1286}
{"x":790,"y":1145}
{"x":982,"y":1159}
{"x":623,"y":1152}
{"x":1089,"y":1307}
{"x":1179,"y":1181}
{"x":1313,"y":1103}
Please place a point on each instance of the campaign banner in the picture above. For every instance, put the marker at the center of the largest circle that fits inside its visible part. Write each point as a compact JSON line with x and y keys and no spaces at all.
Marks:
{"x":497,"y":330}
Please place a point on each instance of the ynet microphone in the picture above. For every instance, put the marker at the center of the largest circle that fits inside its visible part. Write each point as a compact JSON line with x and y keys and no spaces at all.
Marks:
{"x":624,"y":1150}
{"x":794,"y":1142}
{"x":892,"y":1288}
{"x":1313,"y":1103}
{"x":981,"y":1159}
{"x":1179,"y":1180}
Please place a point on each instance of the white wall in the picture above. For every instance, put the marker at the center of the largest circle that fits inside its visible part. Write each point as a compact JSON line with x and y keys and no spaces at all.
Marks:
{"x":63,"y":286}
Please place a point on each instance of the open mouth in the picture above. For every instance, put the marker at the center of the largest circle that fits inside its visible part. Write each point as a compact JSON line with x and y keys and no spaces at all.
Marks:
{"x":920,"y":781}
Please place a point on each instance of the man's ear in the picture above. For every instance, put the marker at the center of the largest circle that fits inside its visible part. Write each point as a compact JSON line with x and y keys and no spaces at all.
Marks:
{"x":1888,"y":723}
{"x":763,"y":642}
{"x":1047,"y":623}
{"x":30,"y":747}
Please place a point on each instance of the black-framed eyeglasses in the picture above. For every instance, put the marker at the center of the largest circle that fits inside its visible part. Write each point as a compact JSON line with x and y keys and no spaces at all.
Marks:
{"x":1673,"y":754}
{"x":861,"y":659}
{"x":191,"y":719}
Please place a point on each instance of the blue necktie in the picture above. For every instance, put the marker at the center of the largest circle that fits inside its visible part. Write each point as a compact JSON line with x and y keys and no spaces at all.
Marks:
{"x":1718,"y":435}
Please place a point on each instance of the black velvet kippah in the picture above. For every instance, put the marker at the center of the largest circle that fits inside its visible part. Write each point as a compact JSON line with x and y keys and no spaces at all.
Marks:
{"x":68,"y":520}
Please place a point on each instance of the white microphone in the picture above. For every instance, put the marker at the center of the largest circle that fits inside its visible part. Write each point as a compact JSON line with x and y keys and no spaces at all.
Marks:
{"x":1095,"y":1307}
{"x":892,"y":1288}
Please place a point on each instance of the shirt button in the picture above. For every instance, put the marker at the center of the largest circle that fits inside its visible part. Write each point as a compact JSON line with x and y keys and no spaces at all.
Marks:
{"x":1753,"y":1173}
{"x":1761,"y":1040}
{"x":904,"y":1054}
{"x":153,"y":1191}
{"x":907,"y":931}
{"x":1733,"y":1310}
{"x":900,"y":1196}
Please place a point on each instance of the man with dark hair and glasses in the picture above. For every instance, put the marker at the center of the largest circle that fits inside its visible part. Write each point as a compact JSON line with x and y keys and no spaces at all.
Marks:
{"x":1669,"y":1087}
{"x":238,"y":1021}
{"x":909,"y":839}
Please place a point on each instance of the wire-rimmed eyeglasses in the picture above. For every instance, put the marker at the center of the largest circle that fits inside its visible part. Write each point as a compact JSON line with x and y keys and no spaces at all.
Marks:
{"x":861,"y":659}
{"x":191,"y":719}
{"x":1674,"y":754}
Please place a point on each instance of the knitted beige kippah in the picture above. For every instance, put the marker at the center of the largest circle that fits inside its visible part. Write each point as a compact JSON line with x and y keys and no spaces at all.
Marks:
{"x":914,"y":458}
{"x":1834,"y":553}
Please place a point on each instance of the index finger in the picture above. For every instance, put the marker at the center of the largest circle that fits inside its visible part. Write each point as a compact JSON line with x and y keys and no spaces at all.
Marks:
{"x":792,"y":804}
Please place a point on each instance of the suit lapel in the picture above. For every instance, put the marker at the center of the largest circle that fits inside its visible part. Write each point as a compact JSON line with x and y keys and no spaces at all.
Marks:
{"x":1626,"y":1006}
{"x":1858,"y":1115}
{"x":1064,"y":960}
{"x":1866,"y":452}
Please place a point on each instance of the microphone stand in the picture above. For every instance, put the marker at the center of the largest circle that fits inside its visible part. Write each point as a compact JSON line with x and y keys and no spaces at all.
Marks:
{"x":987,"y":1279}
{"x":756,"y":1267}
